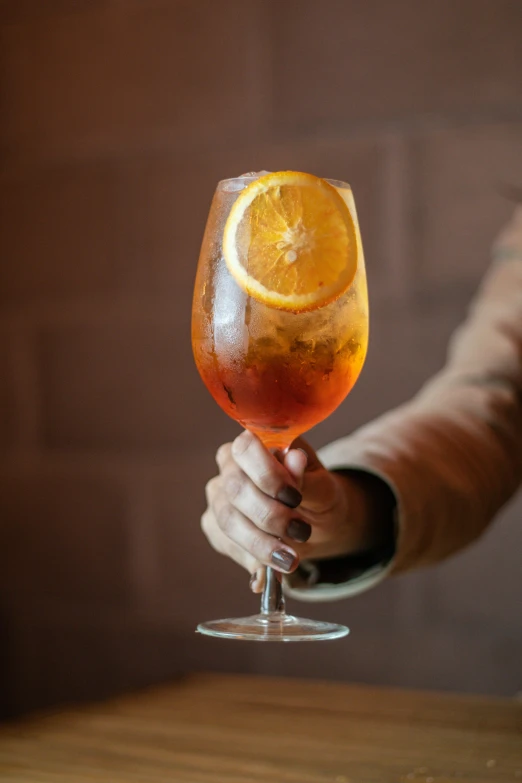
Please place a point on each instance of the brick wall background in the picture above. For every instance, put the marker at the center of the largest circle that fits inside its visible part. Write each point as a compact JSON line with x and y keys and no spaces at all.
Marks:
{"x":117,"y":117}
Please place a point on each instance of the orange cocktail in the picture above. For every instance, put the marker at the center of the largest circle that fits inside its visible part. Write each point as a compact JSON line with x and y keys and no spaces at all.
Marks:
{"x":280,"y":330}
{"x":276,"y":372}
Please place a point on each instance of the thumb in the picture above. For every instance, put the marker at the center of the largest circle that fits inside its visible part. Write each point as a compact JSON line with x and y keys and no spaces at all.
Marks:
{"x":315,"y":482}
{"x":296,"y":461}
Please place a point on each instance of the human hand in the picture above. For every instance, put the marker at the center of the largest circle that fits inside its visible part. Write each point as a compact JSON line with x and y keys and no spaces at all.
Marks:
{"x":275,"y":510}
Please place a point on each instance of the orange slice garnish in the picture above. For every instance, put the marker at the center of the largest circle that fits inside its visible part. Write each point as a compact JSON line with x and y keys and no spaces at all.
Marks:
{"x":290,"y":241}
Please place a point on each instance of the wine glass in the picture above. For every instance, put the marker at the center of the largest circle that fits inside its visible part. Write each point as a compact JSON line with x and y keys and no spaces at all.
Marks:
{"x":277,"y":371}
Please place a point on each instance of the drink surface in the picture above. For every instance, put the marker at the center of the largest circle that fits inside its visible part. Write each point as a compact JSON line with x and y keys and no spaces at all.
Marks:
{"x":277,"y":373}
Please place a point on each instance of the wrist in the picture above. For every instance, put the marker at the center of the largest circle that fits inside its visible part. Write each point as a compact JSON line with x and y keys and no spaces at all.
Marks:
{"x":365,"y":542}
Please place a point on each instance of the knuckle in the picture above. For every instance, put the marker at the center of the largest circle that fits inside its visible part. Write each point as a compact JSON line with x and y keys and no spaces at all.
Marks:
{"x":234,"y":484}
{"x":224,"y":518}
{"x":209,"y":531}
{"x":223,"y":453}
{"x":242,"y":443}
{"x":206,"y":523}
{"x":259,"y":548}
{"x":211,"y":488}
{"x":269,"y":516}
{"x":267,"y":481}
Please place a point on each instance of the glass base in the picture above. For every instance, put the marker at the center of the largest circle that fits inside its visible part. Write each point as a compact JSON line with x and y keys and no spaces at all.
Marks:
{"x":273,"y":628}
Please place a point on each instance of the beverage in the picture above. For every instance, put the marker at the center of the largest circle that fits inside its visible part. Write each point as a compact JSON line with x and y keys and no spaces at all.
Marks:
{"x":280,"y":330}
{"x":276,"y":373}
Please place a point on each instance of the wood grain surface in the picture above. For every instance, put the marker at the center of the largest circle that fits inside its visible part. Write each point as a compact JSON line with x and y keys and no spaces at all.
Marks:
{"x":236,"y":729}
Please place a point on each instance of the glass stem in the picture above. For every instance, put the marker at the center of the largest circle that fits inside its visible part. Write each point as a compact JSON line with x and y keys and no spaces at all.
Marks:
{"x":273,"y":600}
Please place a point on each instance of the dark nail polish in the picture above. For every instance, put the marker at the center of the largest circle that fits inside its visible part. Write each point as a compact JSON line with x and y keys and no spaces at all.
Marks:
{"x":298,"y":530}
{"x":283,"y":559}
{"x":290,"y":496}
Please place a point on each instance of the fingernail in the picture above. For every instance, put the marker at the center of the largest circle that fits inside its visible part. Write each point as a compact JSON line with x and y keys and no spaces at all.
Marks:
{"x":290,"y":496}
{"x":298,"y":530}
{"x":253,"y":580}
{"x":283,"y":559}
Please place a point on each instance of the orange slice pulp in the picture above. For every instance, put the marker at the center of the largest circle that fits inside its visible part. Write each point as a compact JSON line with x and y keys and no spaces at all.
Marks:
{"x":290,"y":241}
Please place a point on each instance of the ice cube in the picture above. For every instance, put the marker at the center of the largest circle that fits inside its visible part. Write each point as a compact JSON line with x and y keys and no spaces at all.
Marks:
{"x":239,"y":183}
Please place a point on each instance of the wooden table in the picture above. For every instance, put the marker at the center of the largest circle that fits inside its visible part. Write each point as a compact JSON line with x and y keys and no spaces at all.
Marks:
{"x":234,"y":729}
